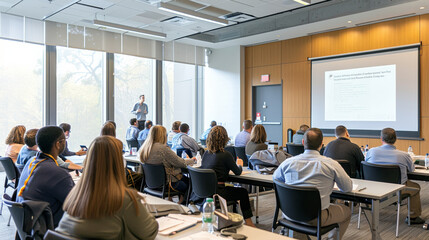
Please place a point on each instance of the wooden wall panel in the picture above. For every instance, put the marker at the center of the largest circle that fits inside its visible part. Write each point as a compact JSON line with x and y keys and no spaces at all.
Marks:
{"x":296,"y":89}
{"x":395,"y":33}
{"x":267,"y":54}
{"x":273,"y":71}
{"x":424,"y":29}
{"x":424,"y":145}
{"x":248,"y":93}
{"x":324,"y":44}
{"x":294,"y":123}
{"x":424,"y":81}
{"x":296,"y":50}
{"x":248,"y":57}
{"x":350,"y":40}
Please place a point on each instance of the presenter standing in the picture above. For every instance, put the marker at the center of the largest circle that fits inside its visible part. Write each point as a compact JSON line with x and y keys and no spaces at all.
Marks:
{"x":140,"y":109}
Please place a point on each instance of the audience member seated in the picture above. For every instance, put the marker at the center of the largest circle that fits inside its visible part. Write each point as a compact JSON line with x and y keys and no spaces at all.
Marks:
{"x":258,"y":137}
{"x":134,"y":179}
{"x":132,"y":131}
{"x":388,"y":154}
{"x":67,"y":164}
{"x":222,"y":162}
{"x":42,"y":179}
{"x":174,"y":130}
{"x":108,"y":129}
{"x":207,"y":131}
{"x":297,"y":137}
{"x":343,"y":149}
{"x":67,"y":130}
{"x":143,"y":134}
{"x":312,"y":169}
{"x":91,"y":212}
{"x":14,"y":142}
{"x":243,"y":137}
{"x":29,"y":150}
{"x":183,"y":140}
{"x":155,"y":151}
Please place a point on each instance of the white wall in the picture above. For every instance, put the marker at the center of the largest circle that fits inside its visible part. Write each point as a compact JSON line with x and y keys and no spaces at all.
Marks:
{"x":222,"y":89}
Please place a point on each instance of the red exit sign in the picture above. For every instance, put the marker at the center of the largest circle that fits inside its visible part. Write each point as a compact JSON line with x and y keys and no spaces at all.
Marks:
{"x":265,"y":78}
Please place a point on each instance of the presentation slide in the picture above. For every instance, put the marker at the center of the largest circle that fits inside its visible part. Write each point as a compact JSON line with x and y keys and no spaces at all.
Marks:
{"x":367,"y":92}
{"x":361,"y":94}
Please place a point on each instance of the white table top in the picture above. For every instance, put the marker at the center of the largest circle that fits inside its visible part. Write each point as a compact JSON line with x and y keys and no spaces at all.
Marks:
{"x":374,"y":190}
{"x":250,"y":232}
{"x":79,"y":159}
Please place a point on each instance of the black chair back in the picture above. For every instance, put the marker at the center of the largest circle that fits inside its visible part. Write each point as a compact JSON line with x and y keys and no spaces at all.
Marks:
{"x":241,"y":153}
{"x":11,"y":170}
{"x":294,"y":149}
{"x":53,"y":235}
{"x":231,"y":150}
{"x":346,"y":166}
{"x":381,"y":172}
{"x":17,"y":212}
{"x":300,"y":204}
{"x":204,"y":182}
{"x":154,"y":175}
{"x":132,"y":143}
{"x":187,"y":151}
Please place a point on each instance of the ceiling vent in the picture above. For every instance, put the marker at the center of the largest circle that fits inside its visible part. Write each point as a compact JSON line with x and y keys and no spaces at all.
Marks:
{"x":178,"y":21}
{"x":238,"y":17}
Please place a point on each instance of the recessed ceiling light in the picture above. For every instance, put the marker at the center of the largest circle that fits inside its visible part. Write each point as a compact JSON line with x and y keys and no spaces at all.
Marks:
{"x":349,"y":21}
{"x":303,"y":2}
{"x":421,"y":8}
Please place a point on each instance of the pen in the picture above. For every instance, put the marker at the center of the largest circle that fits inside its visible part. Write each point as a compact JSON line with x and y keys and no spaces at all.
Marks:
{"x":362,"y":189}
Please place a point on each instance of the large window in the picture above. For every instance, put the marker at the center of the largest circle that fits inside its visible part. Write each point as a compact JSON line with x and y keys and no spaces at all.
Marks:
{"x":179,"y":95}
{"x":21,"y":91}
{"x":80,"y":78}
{"x":134,"y":76}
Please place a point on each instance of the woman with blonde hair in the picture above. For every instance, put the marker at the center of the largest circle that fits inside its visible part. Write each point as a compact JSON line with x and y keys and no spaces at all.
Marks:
{"x":155,"y":151}
{"x":100,"y":206}
{"x":14,"y":142}
{"x":222,"y":162}
{"x":258,"y":137}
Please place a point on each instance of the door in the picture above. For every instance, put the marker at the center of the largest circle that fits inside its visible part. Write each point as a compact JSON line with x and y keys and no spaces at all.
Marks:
{"x":268,"y":102}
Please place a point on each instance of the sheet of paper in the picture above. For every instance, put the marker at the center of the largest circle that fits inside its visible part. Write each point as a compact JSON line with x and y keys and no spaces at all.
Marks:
{"x":167,"y":222}
{"x":355,"y":186}
{"x":189,"y":218}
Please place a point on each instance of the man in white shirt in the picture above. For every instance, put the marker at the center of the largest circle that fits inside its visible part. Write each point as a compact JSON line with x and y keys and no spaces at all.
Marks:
{"x":312,"y":169}
{"x":388,"y":154}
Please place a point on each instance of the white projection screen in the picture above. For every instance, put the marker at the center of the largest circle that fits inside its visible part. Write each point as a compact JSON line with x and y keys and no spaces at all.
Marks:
{"x":367,"y":92}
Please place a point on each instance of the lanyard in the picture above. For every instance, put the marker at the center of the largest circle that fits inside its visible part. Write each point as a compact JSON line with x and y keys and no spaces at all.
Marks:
{"x":34,"y":167}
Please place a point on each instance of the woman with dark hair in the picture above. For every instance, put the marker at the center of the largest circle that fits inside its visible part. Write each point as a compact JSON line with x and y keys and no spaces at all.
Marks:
{"x":14,"y":142}
{"x":101,"y":206}
{"x":222,"y":162}
{"x":258,"y":137}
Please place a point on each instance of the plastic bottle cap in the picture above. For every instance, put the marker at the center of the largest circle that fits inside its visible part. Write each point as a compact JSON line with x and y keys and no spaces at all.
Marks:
{"x":209,"y":199}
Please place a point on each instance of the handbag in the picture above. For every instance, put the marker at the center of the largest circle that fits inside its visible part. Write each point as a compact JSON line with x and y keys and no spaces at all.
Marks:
{"x":224,"y":218}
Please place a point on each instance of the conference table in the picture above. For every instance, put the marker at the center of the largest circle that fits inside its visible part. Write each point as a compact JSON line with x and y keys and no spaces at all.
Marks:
{"x":133,"y":159}
{"x":379,"y":194}
{"x":188,"y":234}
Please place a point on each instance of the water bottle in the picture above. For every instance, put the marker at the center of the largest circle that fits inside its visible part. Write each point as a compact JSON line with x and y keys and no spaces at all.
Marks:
{"x":208,"y":215}
{"x":183,"y":154}
{"x":366,"y":150}
{"x":410,"y":150}
{"x":362,"y":149}
{"x":427,"y":161}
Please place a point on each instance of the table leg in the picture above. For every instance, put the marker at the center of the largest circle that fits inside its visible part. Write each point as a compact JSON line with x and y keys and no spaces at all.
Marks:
{"x":375,"y":219}
{"x":257,"y":205}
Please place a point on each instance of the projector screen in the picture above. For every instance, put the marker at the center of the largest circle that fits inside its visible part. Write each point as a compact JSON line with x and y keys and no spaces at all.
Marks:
{"x":367,"y":92}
